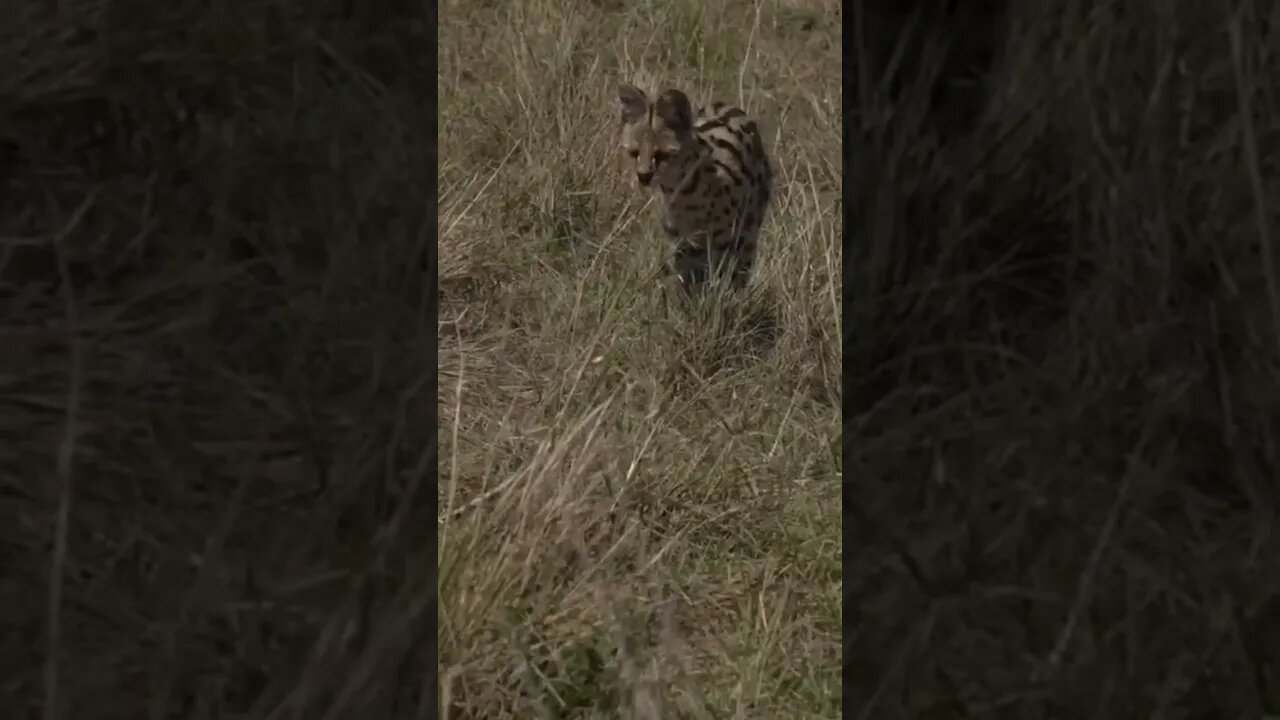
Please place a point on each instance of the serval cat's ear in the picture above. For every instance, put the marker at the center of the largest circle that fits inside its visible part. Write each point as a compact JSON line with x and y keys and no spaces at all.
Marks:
{"x":674,"y":109}
{"x":632,"y":102}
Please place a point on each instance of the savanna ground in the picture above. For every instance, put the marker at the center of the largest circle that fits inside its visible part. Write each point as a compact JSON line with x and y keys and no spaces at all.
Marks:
{"x":217,"y":329}
{"x":1062,"y":389}
{"x":639,"y":500}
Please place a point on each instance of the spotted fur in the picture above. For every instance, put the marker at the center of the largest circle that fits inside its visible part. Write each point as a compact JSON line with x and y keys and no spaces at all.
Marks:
{"x":712,"y":176}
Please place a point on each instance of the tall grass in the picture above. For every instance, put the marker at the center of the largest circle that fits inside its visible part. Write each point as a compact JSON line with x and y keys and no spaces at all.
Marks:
{"x":638,"y":500}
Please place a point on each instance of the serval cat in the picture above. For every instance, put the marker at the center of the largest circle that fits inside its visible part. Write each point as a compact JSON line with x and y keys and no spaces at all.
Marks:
{"x":712,"y":175}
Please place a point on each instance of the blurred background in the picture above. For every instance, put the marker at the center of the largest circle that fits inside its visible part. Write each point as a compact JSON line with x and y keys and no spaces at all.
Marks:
{"x":216,"y":323}
{"x":1060,"y":356}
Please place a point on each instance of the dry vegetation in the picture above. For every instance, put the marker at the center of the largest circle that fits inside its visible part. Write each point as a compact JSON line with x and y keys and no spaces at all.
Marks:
{"x":1063,"y":394}
{"x":216,"y":325}
{"x":639,"y":501}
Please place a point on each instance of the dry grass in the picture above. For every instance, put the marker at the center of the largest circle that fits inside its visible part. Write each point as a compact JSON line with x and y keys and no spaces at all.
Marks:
{"x":640,"y":502}
{"x":1062,"y":395}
